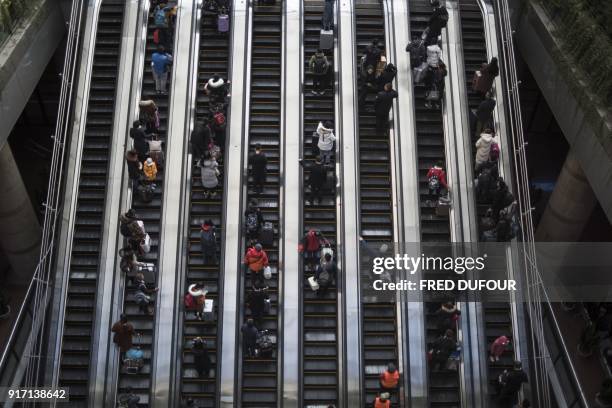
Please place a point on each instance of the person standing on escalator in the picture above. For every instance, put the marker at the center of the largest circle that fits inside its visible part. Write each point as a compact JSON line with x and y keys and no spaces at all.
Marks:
{"x":389,"y":378}
{"x":249,"y":337}
{"x":382,"y":106}
{"x":319,"y":67}
{"x":437,"y":21}
{"x":160,"y":66}
{"x":259,"y":163}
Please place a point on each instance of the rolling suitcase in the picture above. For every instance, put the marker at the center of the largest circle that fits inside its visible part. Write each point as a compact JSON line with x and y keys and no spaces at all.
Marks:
{"x":266,"y":236}
{"x":443,"y":208}
{"x":326,"y":42}
{"x":223,"y":23}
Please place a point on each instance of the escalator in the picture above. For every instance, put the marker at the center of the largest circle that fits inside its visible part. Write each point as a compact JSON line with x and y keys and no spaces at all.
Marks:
{"x":213,"y":59}
{"x":497,"y":316}
{"x":320,"y":313}
{"x":379,"y":320}
{"x":443,"y":385}
{"x":259,"y":380}
{"x":88,"y":228}
{"x":151,"y":215}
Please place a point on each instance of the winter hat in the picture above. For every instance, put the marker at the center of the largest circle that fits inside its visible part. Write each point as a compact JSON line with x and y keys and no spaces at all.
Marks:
{"x":258,"y":247}
{"x":149,"y":161}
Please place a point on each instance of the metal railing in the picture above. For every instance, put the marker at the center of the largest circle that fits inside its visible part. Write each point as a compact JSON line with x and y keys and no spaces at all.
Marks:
{"x":537,"y":301}
{"x":22,"y":358}
{"x":12,"y":14}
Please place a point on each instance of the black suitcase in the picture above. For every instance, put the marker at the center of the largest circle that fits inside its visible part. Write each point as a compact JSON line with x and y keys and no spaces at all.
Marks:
{"x":266,"y":236}
{"x":326,"y":42}
{"x":146,"y":192}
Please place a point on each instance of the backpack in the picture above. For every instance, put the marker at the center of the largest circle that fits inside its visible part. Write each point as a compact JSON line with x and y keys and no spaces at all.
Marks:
{"x":433,"y":183}
{"x":494,"y":152}
{"x":160,"y":18}
{"x":320,"y":67}
{"x":189,"y":301}
{"x":219,"y":118}
{"x":251,"y":222}
{"x":324,"y":278}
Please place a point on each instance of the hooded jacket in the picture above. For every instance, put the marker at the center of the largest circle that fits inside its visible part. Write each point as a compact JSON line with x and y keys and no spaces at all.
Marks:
{"x":326,"y":138}
{"x":150,"y":170}
{"x":483,"y":148}
{"x":256,"y":260}
{"x":210,"y":173}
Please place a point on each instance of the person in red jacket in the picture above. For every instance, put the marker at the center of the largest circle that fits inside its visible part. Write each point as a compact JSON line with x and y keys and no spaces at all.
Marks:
{"x":311,"y":245}
{"x":436,"y":179}
{"x":389,"y":378}
{"x":256,"y":260}
{"x":382,"y":401}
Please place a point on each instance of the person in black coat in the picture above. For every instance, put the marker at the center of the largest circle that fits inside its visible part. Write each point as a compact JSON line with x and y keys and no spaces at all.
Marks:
{"x":259,"y":163}
{"x":437,"y":21}
{"x":509,"y":383}
{"x":387,"y":76}
{"x":442,"y":348}
{"x":484,"y":114}
{"x":382,"y":106}
{"x":327,"y":22}
{"x":257,"y":302}
{"x":200,"y":137}
{"x":201,"y":359}
{"x":134,"y":167}
{"x":137,"y":132}
{"x":317,"y":178}
{"x":372,"y":54}
{"x":249,"y":337}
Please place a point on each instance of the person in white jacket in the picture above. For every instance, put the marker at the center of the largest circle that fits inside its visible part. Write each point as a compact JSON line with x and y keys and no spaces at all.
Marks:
{"x":483,"y":148}
{"x":326,"y":141}
{"x":209,"y":175}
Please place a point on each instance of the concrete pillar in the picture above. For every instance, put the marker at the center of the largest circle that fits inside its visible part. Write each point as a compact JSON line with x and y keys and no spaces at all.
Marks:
{"x":20,"y":232}
{"x":570,"y":205}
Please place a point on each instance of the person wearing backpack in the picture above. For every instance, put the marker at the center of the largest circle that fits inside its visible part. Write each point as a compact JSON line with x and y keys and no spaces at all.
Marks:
{"x":437,"y":21}
{"x":142,"y":294}
{"x":382,"y":106}
{"x":149,"y":115}
{"x":218,"y":123}
{"x":201,"y":358}
{"x":160,"y":66}
{"x":435,"y":83}
{"x":160,"y":19}
{"x":134,"y":168}
{"x":319,"y":66}
{"x":128,"y":399}
{"x":483,"y":78}
{"x":484,"y":114}
{"x":326,"y":141}
{"x":436,"y":180}
{"x":209,"y":175}
{"x":325,"y":274}
{"x":259,"y":163}
{"x":256,"y":260}
{"x":310,"y":245}
{"x":208,"y":241}
{"x":317,"y":177}
{"x":441,"y":349}
{"x":253,"y":221}
{"x":387,"y":76}
{"x":483,"y":148}
{"x":509,"y":383}
{"x":200,"y":137}
{"x":140,"y":137}
{"x":123,"y":332}
{"x":124,"y":222}
{"x":257,"y":302}
{"x":217,"y":89}
{"x":195,"y":299}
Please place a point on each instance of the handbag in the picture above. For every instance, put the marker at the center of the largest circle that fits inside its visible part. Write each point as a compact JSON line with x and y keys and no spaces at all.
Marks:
{"x":146,"y":244}
{"x":267,"y":272}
